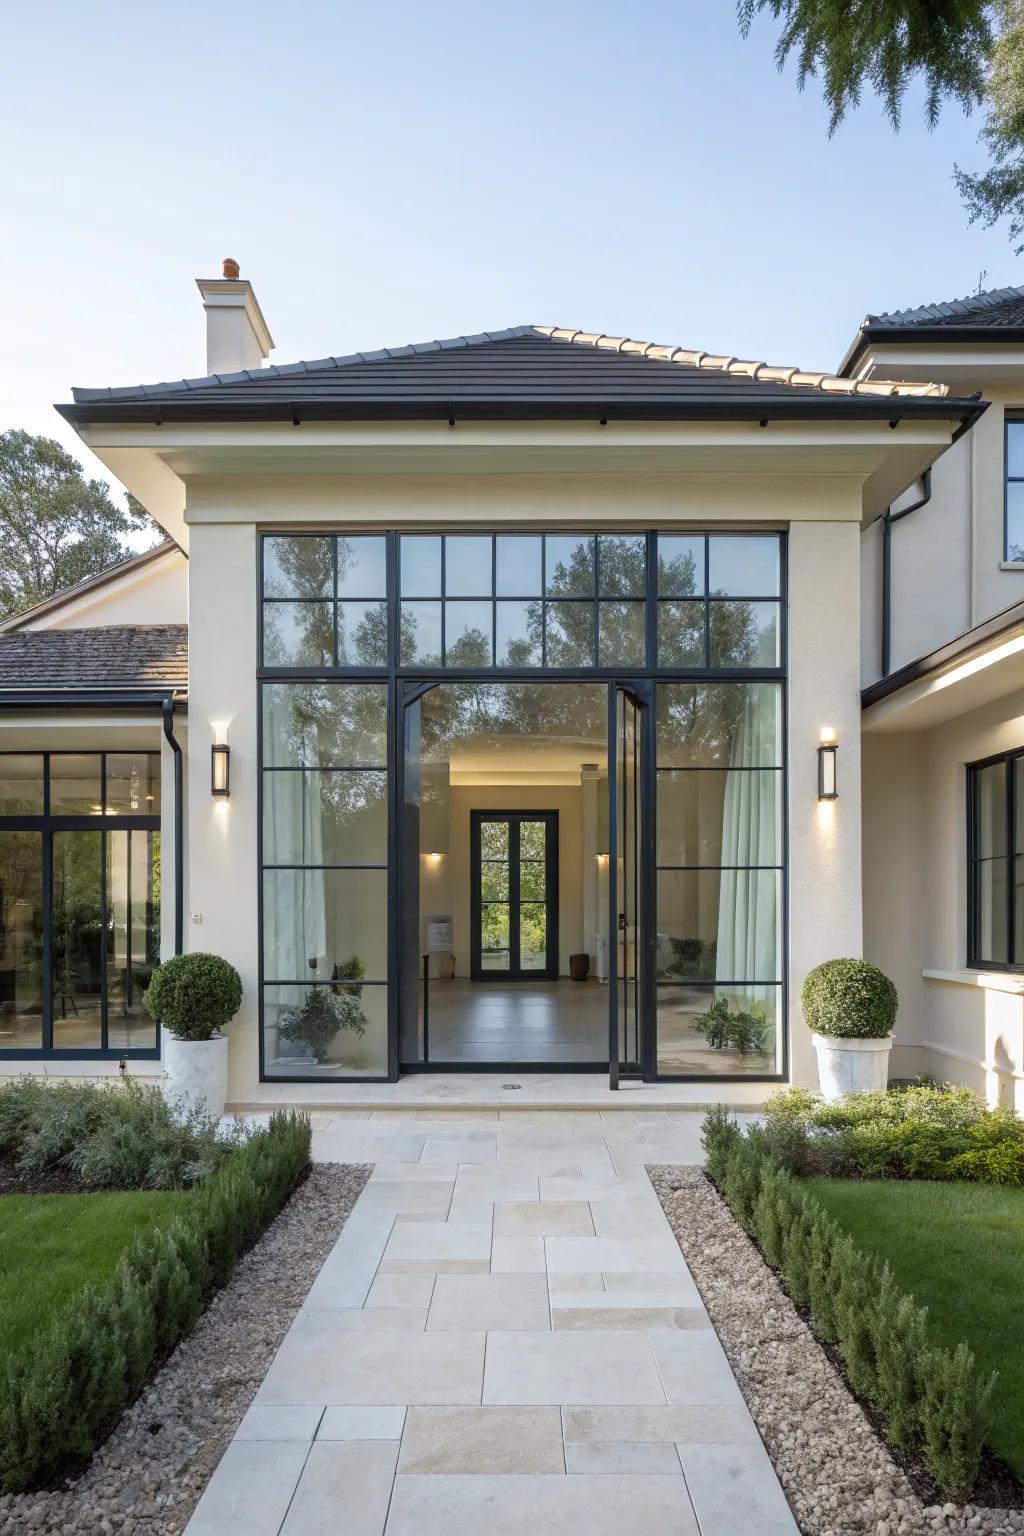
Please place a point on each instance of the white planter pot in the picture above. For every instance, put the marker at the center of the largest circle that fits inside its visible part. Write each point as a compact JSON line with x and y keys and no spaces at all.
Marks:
{"x":851,"y":1065}
{"x":196,"y":1070}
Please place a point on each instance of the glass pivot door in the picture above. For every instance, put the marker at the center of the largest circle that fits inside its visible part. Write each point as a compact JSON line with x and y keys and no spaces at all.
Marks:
{"x":630,"y":900}
{"x":514,"y":895}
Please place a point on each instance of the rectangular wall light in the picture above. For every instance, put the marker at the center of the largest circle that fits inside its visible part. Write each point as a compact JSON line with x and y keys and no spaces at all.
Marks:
{"x":828,"y":776}
{"x":220,"y":769}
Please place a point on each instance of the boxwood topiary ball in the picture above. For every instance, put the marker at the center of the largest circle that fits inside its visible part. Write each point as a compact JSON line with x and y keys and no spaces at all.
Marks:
{"x":194,"y":996}
{"x":849,"y":999}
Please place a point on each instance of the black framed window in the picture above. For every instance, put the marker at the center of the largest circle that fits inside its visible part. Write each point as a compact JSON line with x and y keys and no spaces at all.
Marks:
{"x":995,"y":856}
{"x":1013,"y":540}
{"x":79,"y":902}
{"x":695,"y":612}
{"x":519,"y":602}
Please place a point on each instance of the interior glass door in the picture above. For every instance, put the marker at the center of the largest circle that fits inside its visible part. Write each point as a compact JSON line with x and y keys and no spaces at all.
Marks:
{"x":514,"y":895}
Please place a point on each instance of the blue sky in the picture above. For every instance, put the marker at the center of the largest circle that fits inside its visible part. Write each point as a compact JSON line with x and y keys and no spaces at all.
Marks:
{"x":417,"y":168}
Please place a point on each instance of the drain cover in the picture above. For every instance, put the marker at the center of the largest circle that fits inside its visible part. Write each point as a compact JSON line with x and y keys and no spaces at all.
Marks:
{"x":511,"y":1086}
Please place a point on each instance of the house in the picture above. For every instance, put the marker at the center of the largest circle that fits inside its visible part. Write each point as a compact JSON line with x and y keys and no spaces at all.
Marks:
{"x":517,"y":664}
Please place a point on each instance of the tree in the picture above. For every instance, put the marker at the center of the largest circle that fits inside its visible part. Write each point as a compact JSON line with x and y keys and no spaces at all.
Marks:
{"x":969,"y":51}
{"x":56,"y":527}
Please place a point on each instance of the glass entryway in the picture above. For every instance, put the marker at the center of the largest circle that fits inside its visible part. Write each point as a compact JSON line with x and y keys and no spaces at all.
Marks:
{"x":428,"y":699}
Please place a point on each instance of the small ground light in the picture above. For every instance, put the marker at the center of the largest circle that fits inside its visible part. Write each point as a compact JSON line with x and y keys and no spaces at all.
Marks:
{"x":828,"y":777}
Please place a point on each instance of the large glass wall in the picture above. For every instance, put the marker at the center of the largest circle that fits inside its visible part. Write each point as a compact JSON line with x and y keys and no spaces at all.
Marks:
{"x":325,"y":879}
{"x":354,"y":624}
{"x":79,"y":901}
{"x":719,"y":877}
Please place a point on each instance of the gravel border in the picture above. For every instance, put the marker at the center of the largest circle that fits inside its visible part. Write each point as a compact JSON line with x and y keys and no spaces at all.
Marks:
{"x":838,"y":1475}
{"x":145,"y":1480}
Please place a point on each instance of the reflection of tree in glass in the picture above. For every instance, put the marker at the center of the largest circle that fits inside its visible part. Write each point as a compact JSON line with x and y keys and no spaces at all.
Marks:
{"x":302,"y":567}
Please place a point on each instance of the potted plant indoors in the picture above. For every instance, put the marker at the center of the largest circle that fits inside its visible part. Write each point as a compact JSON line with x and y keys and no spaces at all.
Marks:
{"x":193,"y":997}
{"x":850,"y":1006}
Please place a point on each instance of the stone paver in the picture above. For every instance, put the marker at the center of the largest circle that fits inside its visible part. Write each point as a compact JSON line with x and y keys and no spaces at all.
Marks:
{"x":504,"y":1340}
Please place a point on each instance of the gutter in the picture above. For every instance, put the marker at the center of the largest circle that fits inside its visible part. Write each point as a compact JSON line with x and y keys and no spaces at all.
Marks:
{"x":731,"y":406}
{"x":870,"y":334}
{"x":890,"y":517}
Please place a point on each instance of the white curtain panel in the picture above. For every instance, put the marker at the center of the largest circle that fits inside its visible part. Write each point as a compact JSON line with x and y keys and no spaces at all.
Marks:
{"x":748,"y":919}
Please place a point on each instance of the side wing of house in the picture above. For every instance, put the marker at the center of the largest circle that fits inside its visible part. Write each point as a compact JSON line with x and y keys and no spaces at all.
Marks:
{"x":93,"y":689}
{"x":943,"y":739}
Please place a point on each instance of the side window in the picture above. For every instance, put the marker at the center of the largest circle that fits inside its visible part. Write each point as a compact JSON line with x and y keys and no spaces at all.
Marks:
{"x":995,"y":857}
{"x":1014,"y":532}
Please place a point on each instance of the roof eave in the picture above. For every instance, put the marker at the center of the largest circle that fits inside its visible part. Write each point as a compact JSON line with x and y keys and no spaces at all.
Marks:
{"x":913,"y":335}
{"x":812,"y":407}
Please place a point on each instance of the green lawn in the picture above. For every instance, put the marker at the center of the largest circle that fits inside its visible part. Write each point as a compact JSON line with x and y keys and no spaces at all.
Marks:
{"x":52,"y":1245}
{"x":959,"y":1249}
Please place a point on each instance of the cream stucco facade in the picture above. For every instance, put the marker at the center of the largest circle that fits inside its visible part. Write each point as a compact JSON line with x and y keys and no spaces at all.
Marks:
{"x":881,"y":870}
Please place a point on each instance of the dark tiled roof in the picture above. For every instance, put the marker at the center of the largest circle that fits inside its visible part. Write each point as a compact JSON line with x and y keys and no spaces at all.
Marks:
{"x":142,"y":657}
{"x":528,"y":371}
{"x":996,"y":307}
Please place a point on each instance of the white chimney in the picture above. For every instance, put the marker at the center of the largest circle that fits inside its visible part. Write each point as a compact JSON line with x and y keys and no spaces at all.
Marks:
{"x":236,"y":332}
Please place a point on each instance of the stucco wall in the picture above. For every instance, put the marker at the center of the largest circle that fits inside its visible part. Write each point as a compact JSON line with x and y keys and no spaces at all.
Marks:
{"x":154,"y":593}
{"x":948,"y":572}
{"x":824,"y":836}
{"x":967,"y":1025}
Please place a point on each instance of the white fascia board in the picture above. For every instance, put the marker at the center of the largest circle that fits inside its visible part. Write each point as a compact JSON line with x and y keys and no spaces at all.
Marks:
{"x":992,"y":672}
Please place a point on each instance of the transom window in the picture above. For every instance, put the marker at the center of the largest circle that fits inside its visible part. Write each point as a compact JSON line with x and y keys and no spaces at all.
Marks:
{"x":995,"y":821}
{"x":515,"y":602}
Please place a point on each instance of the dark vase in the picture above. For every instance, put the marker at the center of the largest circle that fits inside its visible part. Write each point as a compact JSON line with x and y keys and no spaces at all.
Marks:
{"x":579,"y":967}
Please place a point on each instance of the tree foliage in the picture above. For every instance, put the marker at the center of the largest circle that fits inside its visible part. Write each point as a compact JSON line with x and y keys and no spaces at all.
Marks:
{"x":998,"y":192}
{"x":968,"y":51}
{"x":56,"y":527}
{"x":883,"y":44}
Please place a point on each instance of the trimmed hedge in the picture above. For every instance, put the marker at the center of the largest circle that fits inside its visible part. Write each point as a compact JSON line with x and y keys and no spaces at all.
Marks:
{"x":849,"y":1000}
{"x":927,"y":1131}
{"x":61,"y":1393}
{"x":194,"y":996}
{"x":933,"y":1402}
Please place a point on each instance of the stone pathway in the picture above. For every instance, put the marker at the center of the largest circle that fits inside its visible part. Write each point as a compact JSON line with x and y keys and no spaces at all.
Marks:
{"x":505,"y":1339}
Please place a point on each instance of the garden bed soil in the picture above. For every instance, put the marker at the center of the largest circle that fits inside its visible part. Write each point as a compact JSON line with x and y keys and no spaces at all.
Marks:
{"x":55,"y":1181}
{"x":146,"y":1478}
{"x":839,"y":1476}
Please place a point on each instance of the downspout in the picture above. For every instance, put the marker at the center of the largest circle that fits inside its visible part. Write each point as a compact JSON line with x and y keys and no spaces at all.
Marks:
{"x":890,"y":517}
{"x":179,"y":829}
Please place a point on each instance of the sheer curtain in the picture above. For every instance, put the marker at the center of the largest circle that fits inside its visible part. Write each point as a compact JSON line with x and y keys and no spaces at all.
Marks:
{"x":296,"y":926}
{"x":747,"y":916}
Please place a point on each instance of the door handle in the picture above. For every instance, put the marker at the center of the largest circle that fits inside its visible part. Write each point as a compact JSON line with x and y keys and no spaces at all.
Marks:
{"x":623,"y":925}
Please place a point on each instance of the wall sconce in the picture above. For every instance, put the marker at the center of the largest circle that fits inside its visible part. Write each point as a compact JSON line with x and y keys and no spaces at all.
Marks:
{"x":220,"y":769}
{"x":434,"y":857}
{"x":828,"y":780}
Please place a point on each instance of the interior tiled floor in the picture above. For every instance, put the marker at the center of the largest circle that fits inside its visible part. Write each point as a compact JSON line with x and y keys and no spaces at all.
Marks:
{"x":521,"y":1021}
{"x":505,"y":1339}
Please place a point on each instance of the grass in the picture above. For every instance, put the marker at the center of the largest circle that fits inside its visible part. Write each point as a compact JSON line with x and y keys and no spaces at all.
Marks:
{"x":52,"y":1245}
{"x":959,"y":1249}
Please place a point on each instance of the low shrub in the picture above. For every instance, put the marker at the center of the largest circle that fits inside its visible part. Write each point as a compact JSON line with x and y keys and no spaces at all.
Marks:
{"x":61,"y":1392}
{"x":123,"y":1137}
{"x":934,"y":1402}
{"x":194,"y":996}
{"x":926,"y":1131}
{"x":849,"y":999}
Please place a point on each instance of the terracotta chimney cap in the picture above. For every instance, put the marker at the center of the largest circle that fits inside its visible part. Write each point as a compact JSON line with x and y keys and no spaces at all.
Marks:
{"x":229,"y":267}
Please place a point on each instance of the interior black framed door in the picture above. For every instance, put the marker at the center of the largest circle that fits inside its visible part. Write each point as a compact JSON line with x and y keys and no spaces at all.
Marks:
{"x":514,"y":895}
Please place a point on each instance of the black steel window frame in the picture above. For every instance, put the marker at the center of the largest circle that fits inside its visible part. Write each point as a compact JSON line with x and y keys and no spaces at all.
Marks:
{"x":262,"y":868}
{"x":1013,"y":761}
{"x":514,"y":819}
{"x":407,"y":682}
{"x":1011,"y":419}
{"x":46,"y":824}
